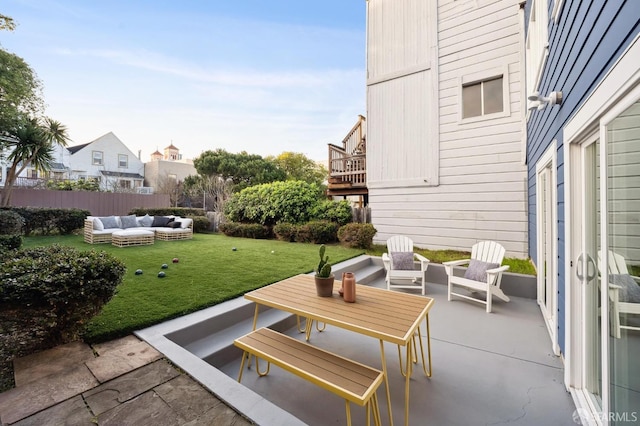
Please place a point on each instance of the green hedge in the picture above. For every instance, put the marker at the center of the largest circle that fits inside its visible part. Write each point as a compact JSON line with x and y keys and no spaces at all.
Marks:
{"x":65,"y":285}
{"x":168,"y":211}
{"x":46,"y":221}
{"x":357,"y":235}
{"x":245,"y":230}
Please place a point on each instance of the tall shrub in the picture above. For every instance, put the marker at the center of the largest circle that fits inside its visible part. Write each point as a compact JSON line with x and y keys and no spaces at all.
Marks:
{"x":271,"y":203}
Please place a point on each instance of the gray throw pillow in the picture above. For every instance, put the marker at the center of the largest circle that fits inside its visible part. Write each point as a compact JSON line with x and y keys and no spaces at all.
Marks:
{"x":630,"y":291}
{"x":110,"y":222}
{"x":97,"y":224}
{"x":129,"y":221}
{"x":146,"y":220}
{"x":402,"y":260}
{"x":477,"y":270}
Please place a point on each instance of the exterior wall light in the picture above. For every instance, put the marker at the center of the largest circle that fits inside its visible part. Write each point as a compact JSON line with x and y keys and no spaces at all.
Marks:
{"x":540,"y":102}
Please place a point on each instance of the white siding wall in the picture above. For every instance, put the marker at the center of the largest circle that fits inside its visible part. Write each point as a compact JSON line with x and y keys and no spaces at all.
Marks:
{"x":444,"y":181}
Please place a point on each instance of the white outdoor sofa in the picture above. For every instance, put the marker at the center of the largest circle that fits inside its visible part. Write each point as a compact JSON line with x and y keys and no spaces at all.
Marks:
{"x":99,"y":229}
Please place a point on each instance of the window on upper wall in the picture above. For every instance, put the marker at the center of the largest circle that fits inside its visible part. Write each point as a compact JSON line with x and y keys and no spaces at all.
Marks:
{"x":123,"y":161}
{"x":537,"y":43}
{"x":33,"y":174}
{"x":482,"y":97}
{"x":96,"y":158}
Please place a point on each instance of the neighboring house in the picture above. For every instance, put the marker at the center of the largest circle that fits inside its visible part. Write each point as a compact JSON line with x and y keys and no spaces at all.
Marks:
{"x":109,"y":161}
{"x":583,"y":159}
{"x":445,"y":140}
{"x":167,"y":167}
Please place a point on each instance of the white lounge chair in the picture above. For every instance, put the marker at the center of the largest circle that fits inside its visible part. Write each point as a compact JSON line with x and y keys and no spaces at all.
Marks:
{"x":399,"y":262}
{"x":483,"y":274}
{"x":623,"y":302}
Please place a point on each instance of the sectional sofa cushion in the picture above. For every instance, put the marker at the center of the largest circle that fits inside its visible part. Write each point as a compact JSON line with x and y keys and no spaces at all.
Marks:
{"x":97,"y":224}
{"x":185,"y":222}
{"x":146,"y":220}
{"x":161,"y":221}
{"x":128,"y":221}
{"x":110,"y":222}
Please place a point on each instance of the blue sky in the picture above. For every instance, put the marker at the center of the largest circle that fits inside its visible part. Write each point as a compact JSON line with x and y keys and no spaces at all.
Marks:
{"x":259,"y":76}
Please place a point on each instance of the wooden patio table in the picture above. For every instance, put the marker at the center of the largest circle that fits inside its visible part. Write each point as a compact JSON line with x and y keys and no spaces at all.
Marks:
{"x":382,"y":314}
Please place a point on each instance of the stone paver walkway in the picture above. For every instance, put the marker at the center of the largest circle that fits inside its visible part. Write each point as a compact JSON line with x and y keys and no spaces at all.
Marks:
{"x":122,"y":382}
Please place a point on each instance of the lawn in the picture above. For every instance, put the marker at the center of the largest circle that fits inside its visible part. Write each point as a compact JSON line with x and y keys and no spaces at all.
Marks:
{"x":208,"y":272}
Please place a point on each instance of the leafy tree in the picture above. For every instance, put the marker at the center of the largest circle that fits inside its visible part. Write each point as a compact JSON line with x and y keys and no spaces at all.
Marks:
{"x":243,"y":169}
{"x":20,"y":92}
{"x":32,"y":144}
{"x":298,"y":166}
{"x":7,"y":23}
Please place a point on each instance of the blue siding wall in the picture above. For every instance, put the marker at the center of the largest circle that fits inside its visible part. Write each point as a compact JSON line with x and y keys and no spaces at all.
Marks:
{"x":583,"y":45}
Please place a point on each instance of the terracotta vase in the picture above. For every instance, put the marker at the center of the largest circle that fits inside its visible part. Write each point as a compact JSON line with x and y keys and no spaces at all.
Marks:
{"x":349,"y":287}
{"x":324,"y":286}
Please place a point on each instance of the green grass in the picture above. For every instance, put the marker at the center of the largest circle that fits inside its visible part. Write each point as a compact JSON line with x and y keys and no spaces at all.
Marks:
{"x":517,"y":266}
{"x":208,"y":272}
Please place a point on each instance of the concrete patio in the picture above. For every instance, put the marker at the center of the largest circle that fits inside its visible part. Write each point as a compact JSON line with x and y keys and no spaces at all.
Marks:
{"x":493,"y":368}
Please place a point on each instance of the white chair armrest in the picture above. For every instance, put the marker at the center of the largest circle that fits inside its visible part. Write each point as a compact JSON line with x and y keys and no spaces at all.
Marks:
{"x":498,"y":270}
{"x":421,"y":258}
{"x":386,"y":260}
{"x":448,"y":266}
{"x":637,"y":279}
{"x":456,"y":262}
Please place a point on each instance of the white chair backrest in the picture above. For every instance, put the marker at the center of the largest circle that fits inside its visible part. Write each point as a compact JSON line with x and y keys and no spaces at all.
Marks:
{"x":617,"y":263}
{"x":399,"y":243}
{"x":488,"y":251}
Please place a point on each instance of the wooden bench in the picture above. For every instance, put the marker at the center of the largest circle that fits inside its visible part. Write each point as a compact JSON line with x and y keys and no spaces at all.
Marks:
{"x":348,"y":379}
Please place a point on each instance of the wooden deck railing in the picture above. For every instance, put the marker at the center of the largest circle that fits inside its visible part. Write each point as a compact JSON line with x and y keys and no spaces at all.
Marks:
{"x":347,"y":163}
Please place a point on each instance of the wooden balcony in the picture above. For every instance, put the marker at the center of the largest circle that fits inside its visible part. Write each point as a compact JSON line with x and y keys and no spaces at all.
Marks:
{"x":348,"y":163}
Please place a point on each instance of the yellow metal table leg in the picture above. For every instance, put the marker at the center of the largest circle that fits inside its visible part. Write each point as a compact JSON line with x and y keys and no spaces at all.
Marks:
{"x":407,"y":381}
{"x":386,"y":381}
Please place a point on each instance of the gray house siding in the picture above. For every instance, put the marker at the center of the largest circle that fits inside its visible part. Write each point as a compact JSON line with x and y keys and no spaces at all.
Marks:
{"x":584,"y":42}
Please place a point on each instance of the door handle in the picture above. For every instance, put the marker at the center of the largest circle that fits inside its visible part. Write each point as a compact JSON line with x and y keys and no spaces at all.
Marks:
{"x":591,"y":264}
{"x":580,"y":267}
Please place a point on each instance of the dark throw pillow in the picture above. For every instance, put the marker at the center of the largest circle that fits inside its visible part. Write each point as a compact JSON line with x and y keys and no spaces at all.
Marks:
{"x":161,"y":221}
{"x":402,"y":260}
{"x":174,"y":224}
{"x":477,"y":270}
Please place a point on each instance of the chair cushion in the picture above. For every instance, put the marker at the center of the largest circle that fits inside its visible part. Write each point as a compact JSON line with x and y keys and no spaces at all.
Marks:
{"x":97,"y":224}
{"x":161,"y":221}
{"x":129,"y":221}
{"x":174,"y":224}
{"x":630,"y":291}
{"x":477,"y":270}
{"x":146,"y":220}
{"x":402,"y":260}
{"x":110,"y":222}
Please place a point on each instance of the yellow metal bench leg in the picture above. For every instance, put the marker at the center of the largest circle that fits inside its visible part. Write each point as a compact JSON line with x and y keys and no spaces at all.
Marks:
{"x":244,"y":357}
{"x":376,"y":410}
{"x":348,"y":407}
{"x":260,"y":373}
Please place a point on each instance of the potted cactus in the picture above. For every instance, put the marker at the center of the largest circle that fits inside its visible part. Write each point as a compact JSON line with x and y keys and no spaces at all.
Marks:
{"x":324,"y":278}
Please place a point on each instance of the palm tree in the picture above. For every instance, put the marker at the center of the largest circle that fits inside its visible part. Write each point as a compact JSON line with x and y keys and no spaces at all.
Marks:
{"x":32,"y":145}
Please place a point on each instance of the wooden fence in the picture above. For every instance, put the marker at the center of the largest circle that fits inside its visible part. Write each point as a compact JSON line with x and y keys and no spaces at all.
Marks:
{"x":98,"y":203}
{"x":361,"y":214}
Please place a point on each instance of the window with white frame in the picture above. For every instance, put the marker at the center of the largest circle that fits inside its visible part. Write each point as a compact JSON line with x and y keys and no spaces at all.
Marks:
{"x":97,"y":158}
{"x":537,"y":43}
{"x":483,"y":97}
{"x":123,"y":161}
{"x":33,"y":174}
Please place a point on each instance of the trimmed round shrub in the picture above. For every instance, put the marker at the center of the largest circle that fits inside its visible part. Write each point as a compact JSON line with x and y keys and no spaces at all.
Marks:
{"x":285,"y":232}
{"x":65,"y":286}
{"x":11,"y":223}
{"x":357,"y":235}
{"x":317,"y":232}
{"x":230,"y":229}
{"x":201,"y":224}
{"x":245,"y":230}
{"x":10,"y":242}
{"x":333,"y":211}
